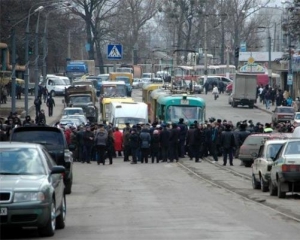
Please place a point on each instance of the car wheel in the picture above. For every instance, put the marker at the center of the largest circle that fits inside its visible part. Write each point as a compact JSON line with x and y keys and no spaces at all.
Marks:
{"x":248,"y":164}
{"x":53,"y":93}
{"x":272,"y":189}
{"x":263,"y":186}
{"x":280,"y":193}
{"x":61,"y":218}
{"x":68,"y":186}
{"x":49,"y":229}
{"x":255,"y":184}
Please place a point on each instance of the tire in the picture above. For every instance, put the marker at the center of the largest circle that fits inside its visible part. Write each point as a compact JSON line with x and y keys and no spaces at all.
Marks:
{"x":280,"y":193}
{"x":49,"y":229}
{"x":53,"y":93}
{"x":263,"y":186}
{"x":255,"y":184}
{"x":61,"y":218}
{"x":68,"y":186}
{"x":251,"y":106}
{"x":248,"y":164}
{"x":272,"y":189}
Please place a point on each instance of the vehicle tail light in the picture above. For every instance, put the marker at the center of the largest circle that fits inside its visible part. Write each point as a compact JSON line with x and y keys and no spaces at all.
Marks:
{"x":290,"y":168}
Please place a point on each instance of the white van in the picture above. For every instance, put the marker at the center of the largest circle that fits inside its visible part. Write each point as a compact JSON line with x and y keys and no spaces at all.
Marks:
{"x":56,"y":85}
{"x":132,"y":113}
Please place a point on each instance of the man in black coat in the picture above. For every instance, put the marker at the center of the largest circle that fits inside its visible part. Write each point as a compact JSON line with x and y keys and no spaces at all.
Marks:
{"x":182,"y":135}
{"x":174,"y":139}
{"x":164,"y":142}
{"x":50,"y":105}
{"x":227,"y":143}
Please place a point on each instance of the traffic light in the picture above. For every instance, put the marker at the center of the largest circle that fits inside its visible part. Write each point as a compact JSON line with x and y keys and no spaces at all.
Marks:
{"x":237,"y":52}
{"x":30,"y":52}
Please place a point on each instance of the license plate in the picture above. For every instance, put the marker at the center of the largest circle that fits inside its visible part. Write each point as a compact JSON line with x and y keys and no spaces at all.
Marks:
{"x":3,"y":211}
{"x":287,"y":116}
{"x":185,"y":102}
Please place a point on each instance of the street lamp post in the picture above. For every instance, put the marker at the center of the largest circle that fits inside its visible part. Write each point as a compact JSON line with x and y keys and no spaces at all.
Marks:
{"x":36,"y":63}
{"x":13,"y":77}
{"x":26,"y":74}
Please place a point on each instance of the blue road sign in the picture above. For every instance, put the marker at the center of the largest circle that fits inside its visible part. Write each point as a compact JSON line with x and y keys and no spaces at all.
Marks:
{"x":243,"y":47}
{"x":114,"y":51}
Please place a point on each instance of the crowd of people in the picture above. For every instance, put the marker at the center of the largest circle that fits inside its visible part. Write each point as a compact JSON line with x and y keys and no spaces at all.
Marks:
{"x":164,"y":142}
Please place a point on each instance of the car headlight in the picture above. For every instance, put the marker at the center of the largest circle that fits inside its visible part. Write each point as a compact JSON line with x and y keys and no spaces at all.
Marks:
{"x":29,"y":196}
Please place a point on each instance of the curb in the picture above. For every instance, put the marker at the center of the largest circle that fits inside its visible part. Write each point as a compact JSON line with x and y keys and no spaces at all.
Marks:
{"x":264,"y":110}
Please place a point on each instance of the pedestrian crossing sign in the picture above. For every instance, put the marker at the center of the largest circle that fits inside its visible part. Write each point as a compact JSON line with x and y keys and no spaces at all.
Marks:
{"x":114,"y":51}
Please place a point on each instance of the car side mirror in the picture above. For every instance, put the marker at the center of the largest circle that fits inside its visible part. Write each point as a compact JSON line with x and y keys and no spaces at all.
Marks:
{"x":58,"y":169}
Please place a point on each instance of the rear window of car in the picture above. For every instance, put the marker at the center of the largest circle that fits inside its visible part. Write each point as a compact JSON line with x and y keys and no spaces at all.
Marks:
{"x":254,"y":140}
{"x":285,"y":110}
{"x":43,"y":137}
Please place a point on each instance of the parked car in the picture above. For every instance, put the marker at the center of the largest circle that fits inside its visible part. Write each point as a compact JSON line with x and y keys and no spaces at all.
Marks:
{"x":82,"y":118}
{"x":229,"y":88}
{"x":54,"y":141}
{"x":285,"y":172}
{"x":72,"y":111}
{"x":262,"y":165}
{"x":296,"y":121}
{"x":31,"y":189}
{"x":283,"y":114}
{"x":137,"y":83}
{"x":252,"y":144}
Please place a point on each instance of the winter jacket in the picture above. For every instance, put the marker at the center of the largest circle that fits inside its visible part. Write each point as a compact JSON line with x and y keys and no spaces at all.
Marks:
{"x":190,"y":136}
{"x":118,"y":136}
{"x":101,"y":137}
{"x":227,"y":139}
{"x":155,"y":143}
{"x":145,"y":139}
{"x":133,"y":140}
{"x":164,"y":137}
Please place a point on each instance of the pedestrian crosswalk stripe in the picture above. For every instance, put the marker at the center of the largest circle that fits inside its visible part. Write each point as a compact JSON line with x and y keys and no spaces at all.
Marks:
{"x":114,"y":52}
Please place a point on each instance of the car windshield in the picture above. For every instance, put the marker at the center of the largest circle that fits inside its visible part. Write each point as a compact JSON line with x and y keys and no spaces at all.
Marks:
{"x":80,"y":99}
{"x":59,"y":81}
{"x":286,"y":110}
{"x":117,"y":90}
{"x":67,"y":81}
{"x":21,"y":161}
{"x":292,"y":148}
{"x":43,"y":137}
{"x":131,"y":120}
{"x":273,"y":149}
{"x":73,"y":111}
{"x":186,"y":112}
{"x":125,"y":79}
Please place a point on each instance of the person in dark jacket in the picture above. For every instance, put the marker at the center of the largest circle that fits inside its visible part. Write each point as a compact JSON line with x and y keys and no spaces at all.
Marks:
{"x":100,"y":142}
{"x":145,"y":140}
{"x":197,"y":145}
{"x":41,"y":118}
{"x":164,"y":143}
{"x":88,"y":140}
{"x":174,"y":138}
{"x":227,"y":143}
{"x":50,"y":104}
{"x":133,"y":141}
{"x":125,"y":140}
{"x":37,"y":104}
{"x":110,"y":146}
{"x":190,"y":140}
{"x":240,"y":137}
{"x":182,"y":136}
{"x":155,"y":144}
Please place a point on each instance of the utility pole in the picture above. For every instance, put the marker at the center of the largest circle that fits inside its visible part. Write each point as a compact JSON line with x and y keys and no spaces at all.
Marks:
{"x":13,"y":77}
{"x":269,"y":62}
{"x":205,"y":48}
{"x":36,"y":50}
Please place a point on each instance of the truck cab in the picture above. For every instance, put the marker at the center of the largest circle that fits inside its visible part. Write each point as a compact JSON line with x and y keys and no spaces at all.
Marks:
{"x":125,"y":77}
{"x":56,"y":85}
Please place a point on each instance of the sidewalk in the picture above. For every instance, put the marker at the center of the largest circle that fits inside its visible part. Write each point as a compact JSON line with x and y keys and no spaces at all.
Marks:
{"x":262,"y":107}
{"x":5,"y":109}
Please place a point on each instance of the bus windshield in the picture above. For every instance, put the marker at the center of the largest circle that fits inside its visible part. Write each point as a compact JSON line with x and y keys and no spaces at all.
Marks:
{"x":188,"y":113}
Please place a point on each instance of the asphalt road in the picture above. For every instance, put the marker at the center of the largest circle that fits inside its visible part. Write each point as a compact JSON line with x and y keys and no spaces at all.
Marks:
{"x":185,"y":200}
